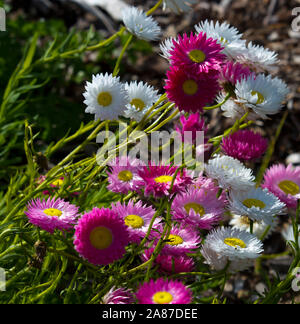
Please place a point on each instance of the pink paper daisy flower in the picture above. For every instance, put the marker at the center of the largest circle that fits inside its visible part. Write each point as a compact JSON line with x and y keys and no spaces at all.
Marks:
{"x":231,"y":73}
{"x":124,"y":175}
{"x":245,"y":145}
{"x":182,"y":240}
{"x":170,"y":264}
{"x":190,"y":128}
{"x":198,"y":207}
{"x":197,"y":54}
{"x":210,"y":186}
{"x":191,"y":93}
{"x":55,"y":186}
{"x":101,"y":236}
{"x":118,"y":296}
{"x":137,"y":217}
{"x":284,"y":183}
{"x":163,"y":291}
{"x":52,"y":214}
{"x":158,"y":180}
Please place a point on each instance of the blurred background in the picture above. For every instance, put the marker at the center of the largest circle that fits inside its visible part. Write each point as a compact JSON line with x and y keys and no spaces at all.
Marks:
{"x":265,"y":22}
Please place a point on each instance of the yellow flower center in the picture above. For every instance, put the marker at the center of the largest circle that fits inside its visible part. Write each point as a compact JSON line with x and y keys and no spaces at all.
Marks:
{"x":174,"y":240}
{"x":245,"y":220}
{"x":138,"y":104}
{"x":289,"y":187}
{"x":125,"y":176}
{"x":162,"y":297}
{"x":101,"y":238}
{"x":249,"y":203}
{"x":197,"y":56}
{"x":235,"y":242}
{"x":224,"y":40}
{"x":198,"y":209}
{"x":163,"y":179}
{"x":58,"y":183}
{"x":260,"y":96}
{"x":134,"y":221}
{"x":190,"y":87}
{"x":104,"y":99}
{"x":53,"y":212}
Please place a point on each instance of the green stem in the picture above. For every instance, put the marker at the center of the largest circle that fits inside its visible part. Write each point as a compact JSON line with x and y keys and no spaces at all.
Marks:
{"x":165,"y":235}
{"x":228,"y":96}
{"x":151,"y":130}
{"x":251,"y":226}
{"x":152,"y":10}
{"x":117,"y":67}
{"x":270,"y":150}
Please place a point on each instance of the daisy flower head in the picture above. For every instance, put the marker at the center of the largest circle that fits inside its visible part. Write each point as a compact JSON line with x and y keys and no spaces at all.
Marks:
{"x":284,"y":183}
{"x":210,"y":187}
{"x":159,"y":178}
{"x":139,"y":24}
{"x":124,"y":175}
{"x":194,"y":124}
{"x":101,"y":236}
{"x":105,"y":97}
{"x":52,"y":214}
{"x":245,"y":145}
{"x":181,"y":240}
{"x":237,"y":248}
{"x":163,"y":291}
{"x":137,"y":217}
{"x":178,"y":6}
{"x":55,"y":186}
{"x":197,"y":54}
{"x":258,"y":204}
{"x":167,"y":46}
{"x":170,"y":264}
{"x":141,"y":98}
{"x":263,"y":94}
{"x":189,"y":92}
{"x":199,"y":208}
{"x":231,"y":73}
{"x":230,"y":173}
{"x":118,"y":296}
{"x":258,"y":58}
{"x":227,"y":36}
{"x":233,"y":109}
{"x":242,"y":223}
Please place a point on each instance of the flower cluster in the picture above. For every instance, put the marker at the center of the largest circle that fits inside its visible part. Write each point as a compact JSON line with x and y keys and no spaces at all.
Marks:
{"x":216,"y":60}
{"x":165,"y":216}
{"x":108,"y":98}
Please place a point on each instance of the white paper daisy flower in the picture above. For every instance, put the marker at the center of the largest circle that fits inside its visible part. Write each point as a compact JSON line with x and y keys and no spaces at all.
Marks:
{"x":258,"y":204}
{"x":105,"y":97}
{"x":141,"y":98}
{"x":263,"y":94}
{"x":139,"y":24}
{"x":228,"y":36}
{"x":230,"y":173}
{"x":167,"y":46}
{"x":242,"y":223}
{"x":258,"y":58}
{"x":234,"y":110}
{"x":178,"y":5}
{"x":231,"y":246}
